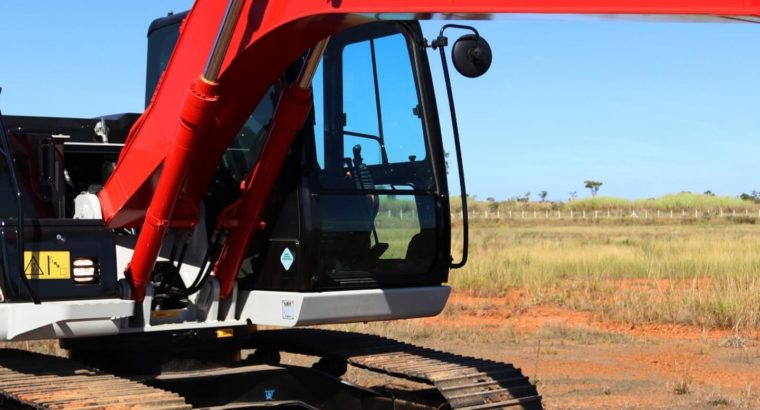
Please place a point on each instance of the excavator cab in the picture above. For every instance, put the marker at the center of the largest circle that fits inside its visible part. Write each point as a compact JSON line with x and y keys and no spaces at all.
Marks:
{"x":362,"y":200}
{"x":372,"y":211}
{"x":374,"y":160}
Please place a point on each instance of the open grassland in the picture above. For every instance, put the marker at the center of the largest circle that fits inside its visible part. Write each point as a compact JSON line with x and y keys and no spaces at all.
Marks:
{"x":697,"y":274}
{"x":684,"y":201}
{"x":679,"y":201}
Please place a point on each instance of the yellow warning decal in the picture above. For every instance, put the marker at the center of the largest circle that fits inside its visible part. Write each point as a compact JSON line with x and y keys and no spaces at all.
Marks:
{"x":47,"y":264}
{"x":222,"y":333}
{"x":163,"y":314}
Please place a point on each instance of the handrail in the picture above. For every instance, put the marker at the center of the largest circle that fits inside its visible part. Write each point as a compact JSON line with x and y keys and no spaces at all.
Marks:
{"x":6,"y":153}
{"x":441,"y":43}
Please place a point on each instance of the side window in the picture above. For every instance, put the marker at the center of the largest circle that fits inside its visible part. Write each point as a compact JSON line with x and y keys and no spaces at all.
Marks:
{"x":368,"y":126}
{"x":318,"y":95}
{"x":243,"y":152}
{"x":358,"y":89}
{"x":380,"y":102}
{"x":160,"y":47}
{"x":399,"y":102}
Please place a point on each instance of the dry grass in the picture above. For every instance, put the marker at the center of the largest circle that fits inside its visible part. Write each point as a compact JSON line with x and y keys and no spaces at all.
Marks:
{"x":677,"y":202}
{"x":582,"y":334}
{"x":703,"y":274}
{"x":683,"y":200}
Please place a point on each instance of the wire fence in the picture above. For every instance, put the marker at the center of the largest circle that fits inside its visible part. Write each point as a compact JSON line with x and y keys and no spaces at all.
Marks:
{"x":571,"y":214}
{"x":609,"y":213}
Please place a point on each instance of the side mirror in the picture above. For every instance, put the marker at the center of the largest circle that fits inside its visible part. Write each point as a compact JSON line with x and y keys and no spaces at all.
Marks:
{"x":471,"y":55}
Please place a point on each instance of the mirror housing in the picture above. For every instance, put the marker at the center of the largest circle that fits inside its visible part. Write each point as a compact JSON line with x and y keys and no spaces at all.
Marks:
{"x":471,"y":55}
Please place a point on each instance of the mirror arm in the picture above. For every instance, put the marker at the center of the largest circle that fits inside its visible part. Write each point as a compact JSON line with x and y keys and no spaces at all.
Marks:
{"x":442,"y":41}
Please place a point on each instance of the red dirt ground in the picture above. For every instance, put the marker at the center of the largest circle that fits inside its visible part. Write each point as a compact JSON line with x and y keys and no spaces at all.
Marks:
{"x":582,"y":362}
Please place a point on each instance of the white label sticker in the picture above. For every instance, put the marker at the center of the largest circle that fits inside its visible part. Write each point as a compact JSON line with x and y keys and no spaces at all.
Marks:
{"x":287,"y":258}
{"x":288,"y":310}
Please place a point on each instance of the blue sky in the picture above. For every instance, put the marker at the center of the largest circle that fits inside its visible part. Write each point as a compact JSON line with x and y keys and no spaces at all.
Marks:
{"x":647,"y":108}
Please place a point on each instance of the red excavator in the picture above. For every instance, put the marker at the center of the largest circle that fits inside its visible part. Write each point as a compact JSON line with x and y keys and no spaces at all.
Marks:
{"x":288,"y":171}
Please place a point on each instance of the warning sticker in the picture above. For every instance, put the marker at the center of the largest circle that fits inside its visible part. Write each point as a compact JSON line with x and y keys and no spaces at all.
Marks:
{"x":47,"y":265}
{"x":286,"y":259}
{"x":288,"y":310}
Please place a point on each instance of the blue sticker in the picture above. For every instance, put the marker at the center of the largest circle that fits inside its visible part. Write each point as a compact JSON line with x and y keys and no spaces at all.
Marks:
{"x":287,"y":258}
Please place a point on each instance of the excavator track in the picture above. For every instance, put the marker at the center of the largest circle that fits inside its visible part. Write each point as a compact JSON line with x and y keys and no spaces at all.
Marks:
{"x":465,"y":382}
{"x":48,"y":382}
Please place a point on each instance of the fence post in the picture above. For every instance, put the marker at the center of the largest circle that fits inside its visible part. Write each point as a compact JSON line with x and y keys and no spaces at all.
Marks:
{"x":401,"y":213}
{"x":559,"y":214}
{"x":498,"y":212}
{"x":658,"y":213}
{"x":534,"y":214}
{"x":671,"y":214}
{"x":646,"y":214}
{"x":547,"y":213}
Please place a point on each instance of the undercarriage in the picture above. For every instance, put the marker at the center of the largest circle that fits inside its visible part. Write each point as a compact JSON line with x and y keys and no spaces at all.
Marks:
{"x":206,"y":369}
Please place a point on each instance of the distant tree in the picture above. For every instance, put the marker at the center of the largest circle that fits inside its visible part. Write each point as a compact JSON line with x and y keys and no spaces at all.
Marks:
{"x":573,"y":196}
{"x":526,"y":197}
{"x":593,"y":186}
{"x":543,"y":195}
{"x":753,"y":197}
{"x":709,"y":193}
{"x":492,"y":204}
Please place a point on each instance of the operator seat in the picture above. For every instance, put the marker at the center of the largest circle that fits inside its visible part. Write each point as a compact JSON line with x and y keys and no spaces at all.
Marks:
{"x":364,"y":181}
{"x":348,"y":221}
